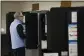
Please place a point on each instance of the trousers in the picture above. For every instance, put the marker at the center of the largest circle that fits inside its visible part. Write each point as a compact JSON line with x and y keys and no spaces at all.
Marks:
{"x":19,"y":51}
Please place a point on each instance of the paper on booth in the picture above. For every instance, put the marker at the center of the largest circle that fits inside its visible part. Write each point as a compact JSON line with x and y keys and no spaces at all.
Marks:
{"x":74,"y":17}
{"x":44,"y":44}
{"x":50,"y":54}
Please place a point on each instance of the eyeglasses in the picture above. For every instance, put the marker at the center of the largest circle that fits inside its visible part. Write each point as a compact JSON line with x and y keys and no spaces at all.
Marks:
{"x":20,"y":16}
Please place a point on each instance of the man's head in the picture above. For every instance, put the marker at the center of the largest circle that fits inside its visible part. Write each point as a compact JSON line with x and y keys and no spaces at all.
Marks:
{"x":18,"y":15}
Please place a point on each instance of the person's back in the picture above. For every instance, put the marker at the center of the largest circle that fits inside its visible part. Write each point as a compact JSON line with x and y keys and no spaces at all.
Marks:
{"x":17,"y":35}
{"x":16,"y":41}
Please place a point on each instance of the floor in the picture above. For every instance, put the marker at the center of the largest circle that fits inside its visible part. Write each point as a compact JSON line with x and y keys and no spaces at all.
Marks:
{"x":32,"y":52}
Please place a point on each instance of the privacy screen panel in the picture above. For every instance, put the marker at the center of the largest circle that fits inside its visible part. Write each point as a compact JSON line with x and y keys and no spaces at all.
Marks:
{"x":81,"y":32}
{"x":31,"y":30}
{"x":57,"y":30}
{"x":42,"y":28}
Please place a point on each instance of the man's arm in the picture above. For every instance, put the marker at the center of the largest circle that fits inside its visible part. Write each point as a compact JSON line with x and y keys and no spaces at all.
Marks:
{"x":20,"y":31}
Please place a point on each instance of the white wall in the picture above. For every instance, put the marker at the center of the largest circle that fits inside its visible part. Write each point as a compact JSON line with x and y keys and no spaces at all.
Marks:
{"x":75,"y":4}
{"x":34,"y":0}
{"x":42,"y":5}
{"x":47,"y":6}
{"x":42,"y":0}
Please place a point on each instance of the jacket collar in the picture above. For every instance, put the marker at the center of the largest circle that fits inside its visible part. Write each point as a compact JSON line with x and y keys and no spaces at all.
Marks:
{"x":17,"y":20}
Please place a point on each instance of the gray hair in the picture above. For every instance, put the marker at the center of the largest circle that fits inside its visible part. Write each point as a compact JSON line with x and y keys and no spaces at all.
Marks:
{"x":17,"y":14}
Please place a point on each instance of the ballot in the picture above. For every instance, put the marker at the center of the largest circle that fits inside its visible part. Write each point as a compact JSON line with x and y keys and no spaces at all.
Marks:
{"x":64,"y":53}
{"x":72,"y":31}
{"x":45,"y":28}
{"x":73,"y":49}
{"x":44,"y":44}
{"x":50,"y":54}
{"x":23,"y":19}
{"x":74,"y":17}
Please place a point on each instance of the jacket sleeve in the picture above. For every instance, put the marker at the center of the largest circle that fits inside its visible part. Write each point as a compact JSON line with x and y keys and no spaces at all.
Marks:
{"x":20,"y":31}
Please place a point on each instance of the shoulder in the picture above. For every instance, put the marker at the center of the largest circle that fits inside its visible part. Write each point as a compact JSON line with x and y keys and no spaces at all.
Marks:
{"x":11,"y":24}
{"x":19,"y":26}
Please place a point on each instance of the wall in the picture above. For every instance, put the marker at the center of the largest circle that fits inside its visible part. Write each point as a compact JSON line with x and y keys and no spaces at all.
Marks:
{"x":42,"y":0}
{"x":35,"y":0}
{"x":42,"y":5}
{"x":75,"y":4}
{"x":47,"y":6}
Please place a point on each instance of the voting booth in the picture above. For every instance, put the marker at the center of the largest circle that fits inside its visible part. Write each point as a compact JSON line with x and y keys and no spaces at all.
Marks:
{"x":80,"y":27}
{"x":35,"y":29}
{"x":65,"y":31}
{"x":57,"y":36}
{"x":31,"y":30}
